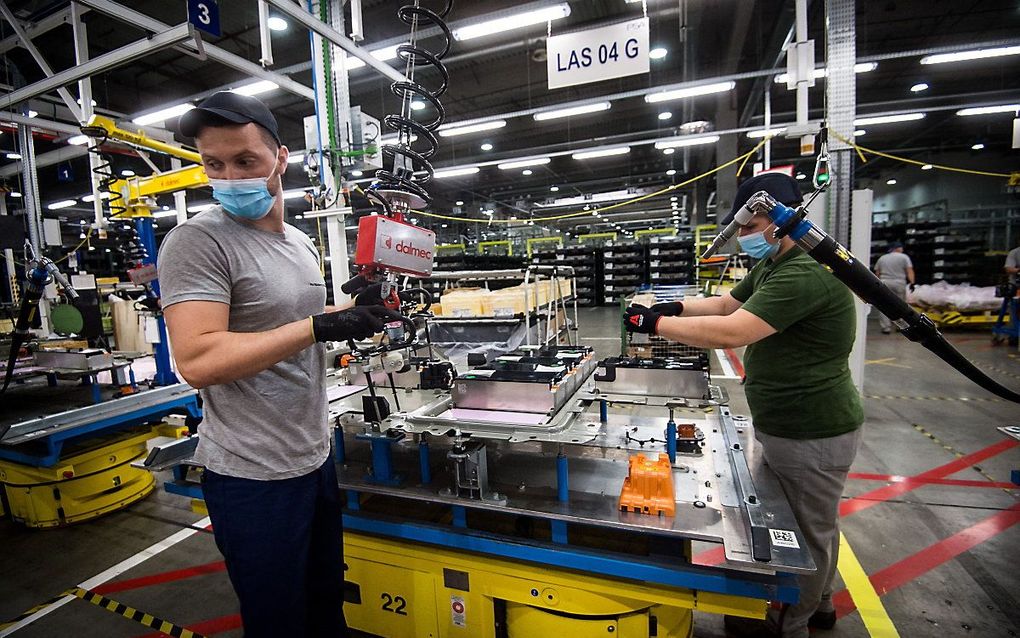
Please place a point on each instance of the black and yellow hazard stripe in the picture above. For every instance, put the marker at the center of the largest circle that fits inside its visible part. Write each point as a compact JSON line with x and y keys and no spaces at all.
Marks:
{"x":954,"y":452}
{"x":130,"y":613}
{"x":891,"y":397}
{"x":29,"y":612}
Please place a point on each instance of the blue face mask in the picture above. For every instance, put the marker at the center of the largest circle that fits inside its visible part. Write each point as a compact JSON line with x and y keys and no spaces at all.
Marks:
{"x":246,"y":198}
{"x":756,"y":246}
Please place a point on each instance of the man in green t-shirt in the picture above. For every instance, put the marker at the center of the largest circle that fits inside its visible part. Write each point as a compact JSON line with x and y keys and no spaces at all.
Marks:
{"x":798,"y":322}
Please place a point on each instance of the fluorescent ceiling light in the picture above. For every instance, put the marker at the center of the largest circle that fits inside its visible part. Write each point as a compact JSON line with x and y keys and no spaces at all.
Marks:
{"x":553,"y":189}
{"x":78,"y":140}
{"x":920,"y":86}
{"x":668,"y":151}
{"x":62,"y":204}
{"x":163,"y":115}
{"x":198,"y":208}
{"x":976,"y":54}
{"x":859,"y":132}
{"x":256,"y":88}
{"x":691,"y":91}
{"x":459,"y":202}
{"x":987,"y":110}
{"x":687,"y":140}
{"x":927,"y":167}
{"x":32,"y":113}
{"x":13,"y":156}
{"x":357,"y":173}
{"x":891,"y":181}
{"x":888,"y":119}
{"x":762,"y":132}
{"x":295,"y":158}
{"x":15,"y":194}
{"x":127,"y":172}
{"x":276,"y":23}
{"x":295,"y":193}
{"x":486,"y":146}
{"x":88,"y":199}
{"x":671,"y":172}
{"x":665,"y":115}
{"x":417,"y":105}
{"x":658,"y":53}
{"x":453,"y":130}
{"x":576,"y":110}
{"x":821,"y":72}
{"x":606,"y":152}
{"x":383,"y":55}
{"x":166,"y":213}
{"x":527,"y":172}
{"x":509,"y":23}
{"x":977,"y":147}
{"x":536,"y":161}
{"x":456,"y":172}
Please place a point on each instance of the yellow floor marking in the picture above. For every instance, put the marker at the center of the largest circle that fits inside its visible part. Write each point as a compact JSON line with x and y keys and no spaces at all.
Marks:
{"x":873,"y":613}
{"x":888,"y":361}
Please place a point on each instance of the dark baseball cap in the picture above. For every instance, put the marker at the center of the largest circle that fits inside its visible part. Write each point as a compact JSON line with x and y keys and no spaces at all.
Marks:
{"x":893,"y":245}
{"x":231,"y":107}
{"x":783,"y":187}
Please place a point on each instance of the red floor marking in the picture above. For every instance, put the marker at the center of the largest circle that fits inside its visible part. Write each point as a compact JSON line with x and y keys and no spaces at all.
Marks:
{"x":157,"y":579}
{"x":895,"y":478}
{"x":876,"y":496}
{"x":738,"y":367}
{"x":206,"y":627}
{"x":927,"y":559}
{"x":716,"y":555}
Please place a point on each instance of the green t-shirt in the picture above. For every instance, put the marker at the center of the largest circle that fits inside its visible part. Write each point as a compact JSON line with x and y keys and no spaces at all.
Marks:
{"x":798,"y":380}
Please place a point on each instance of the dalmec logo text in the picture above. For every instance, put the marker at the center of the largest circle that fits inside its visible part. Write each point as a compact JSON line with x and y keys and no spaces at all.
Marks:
{"x":406,"y":248}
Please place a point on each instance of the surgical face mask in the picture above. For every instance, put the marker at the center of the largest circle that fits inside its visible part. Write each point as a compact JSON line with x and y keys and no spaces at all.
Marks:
{"x":756,"y":246}
{"x":246,"y":198}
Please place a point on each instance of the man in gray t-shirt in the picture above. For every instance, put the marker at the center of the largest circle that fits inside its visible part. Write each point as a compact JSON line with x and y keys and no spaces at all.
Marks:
{"x":244,"y":302}
{"x":1012,"y":266}
{"x":896,"y":271}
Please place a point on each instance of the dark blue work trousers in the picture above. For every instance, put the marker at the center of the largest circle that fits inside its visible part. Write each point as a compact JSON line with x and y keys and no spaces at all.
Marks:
{"x":283,"y":545}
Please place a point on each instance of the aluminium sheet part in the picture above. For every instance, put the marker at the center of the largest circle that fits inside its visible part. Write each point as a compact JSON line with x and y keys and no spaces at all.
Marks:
{"x":708,"y":508}
{"x":91,"y":359}
{"x":662,"y":382}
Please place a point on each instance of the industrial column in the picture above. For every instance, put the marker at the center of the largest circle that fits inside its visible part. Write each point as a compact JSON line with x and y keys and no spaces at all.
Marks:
{"x":850,"y":226}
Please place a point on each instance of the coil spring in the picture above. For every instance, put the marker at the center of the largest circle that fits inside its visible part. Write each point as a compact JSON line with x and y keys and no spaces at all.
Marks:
{"x":104,"y":169}
{"x":403,"y":177}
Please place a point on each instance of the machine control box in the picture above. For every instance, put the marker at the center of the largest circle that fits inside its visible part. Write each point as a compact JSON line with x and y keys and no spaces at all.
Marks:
{"x":395,"y":246}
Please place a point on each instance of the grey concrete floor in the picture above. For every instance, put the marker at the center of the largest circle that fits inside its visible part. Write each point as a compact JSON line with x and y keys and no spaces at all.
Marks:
{"x":973,"y":591}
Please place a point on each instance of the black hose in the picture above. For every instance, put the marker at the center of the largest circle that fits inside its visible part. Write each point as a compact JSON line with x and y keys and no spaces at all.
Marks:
{"x":913,"y":325}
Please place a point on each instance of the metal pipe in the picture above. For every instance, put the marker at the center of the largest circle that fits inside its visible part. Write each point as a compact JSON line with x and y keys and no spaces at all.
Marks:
{"x":39,"y":59}
{"x":329,"y":33}
{"x":81,"y":56}
{"x":142,"y":21}
{"x":265,"y":35}
{"x":113,"y":59}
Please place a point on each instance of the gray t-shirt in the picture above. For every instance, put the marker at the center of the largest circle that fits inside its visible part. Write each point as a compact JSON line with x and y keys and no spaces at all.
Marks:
{"x":1013,"y":261}
{"x":893,"y":266}
{"x":272,"y":425}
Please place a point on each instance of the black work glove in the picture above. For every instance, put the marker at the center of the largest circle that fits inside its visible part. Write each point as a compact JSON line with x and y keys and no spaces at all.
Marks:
{"x":638,"y":318}
{"x":357,"y":323}
{"x":669,"y":308}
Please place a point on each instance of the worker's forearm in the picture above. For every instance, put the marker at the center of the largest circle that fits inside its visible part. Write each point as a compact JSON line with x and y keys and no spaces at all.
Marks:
{"x":222,"y":357}
{"x":701,"y":332}
{"x":1011,"y":270}
{"x":347,"y":305}
{"x":703,"y":306}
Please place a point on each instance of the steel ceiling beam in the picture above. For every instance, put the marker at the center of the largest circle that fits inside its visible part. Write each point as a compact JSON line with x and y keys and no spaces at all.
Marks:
{"x":36,"y":29}
{"x":26,"y":42}
{"x":236,"y":62}
{"x":111,"y":60}
{"x":327,"y":32}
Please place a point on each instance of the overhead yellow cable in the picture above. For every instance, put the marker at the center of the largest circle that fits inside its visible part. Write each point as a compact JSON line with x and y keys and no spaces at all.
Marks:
{"x":872,"y":151}
{"x":742,"y":158}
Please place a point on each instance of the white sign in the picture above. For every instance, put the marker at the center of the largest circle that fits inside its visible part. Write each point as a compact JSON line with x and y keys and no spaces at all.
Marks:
{"x":599,"y":54}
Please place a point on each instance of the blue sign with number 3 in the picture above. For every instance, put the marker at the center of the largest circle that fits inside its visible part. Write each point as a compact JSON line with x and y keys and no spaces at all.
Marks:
{"x":205,"y":15}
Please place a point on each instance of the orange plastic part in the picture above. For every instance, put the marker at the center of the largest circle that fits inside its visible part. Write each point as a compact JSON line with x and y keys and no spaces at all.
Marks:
{"x":648,"y":488}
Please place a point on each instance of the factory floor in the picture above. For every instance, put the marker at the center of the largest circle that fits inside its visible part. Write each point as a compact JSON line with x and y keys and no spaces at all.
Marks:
{"x":929,"y":517}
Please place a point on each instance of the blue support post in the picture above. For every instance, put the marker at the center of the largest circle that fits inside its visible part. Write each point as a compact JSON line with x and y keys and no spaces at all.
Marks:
{"x":339,"y":448}
{"x":131,"y":375}
{"x":51,"y":379}
{"x":459,"y":516}
{"x":603,"y":410}
{"x":353,"y":500}
{"x":423,"y":461}
{"x":671,"y":440}
{"x":382,"y":457}
{"x":93,"y":383}
{"x":161,"y":351}
{"x":562,"y":481}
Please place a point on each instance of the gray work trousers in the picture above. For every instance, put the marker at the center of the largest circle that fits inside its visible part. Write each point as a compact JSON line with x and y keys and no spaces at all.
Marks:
{"x":812,"y":473}
{"x":898,"y":287}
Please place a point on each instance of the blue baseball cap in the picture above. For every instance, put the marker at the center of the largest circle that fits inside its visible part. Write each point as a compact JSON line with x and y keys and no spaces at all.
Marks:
{"x":232,"y":108}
